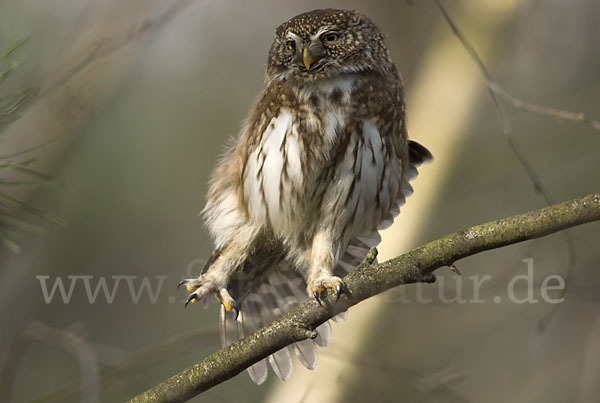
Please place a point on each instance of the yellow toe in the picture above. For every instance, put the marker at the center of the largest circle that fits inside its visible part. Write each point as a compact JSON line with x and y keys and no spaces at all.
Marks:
{"x":228,"y":307}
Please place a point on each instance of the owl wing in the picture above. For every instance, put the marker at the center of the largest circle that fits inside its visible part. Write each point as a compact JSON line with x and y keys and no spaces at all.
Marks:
{"x":278,"y":289}
{"x":360,"y":245}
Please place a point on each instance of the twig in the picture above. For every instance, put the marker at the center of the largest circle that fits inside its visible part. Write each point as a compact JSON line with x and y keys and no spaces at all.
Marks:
{"x":454,"y":269}
{"x":364,"y":282}
{"x":560,"y":114}
{"x":496,"y":91}
{"x":106,"y":46}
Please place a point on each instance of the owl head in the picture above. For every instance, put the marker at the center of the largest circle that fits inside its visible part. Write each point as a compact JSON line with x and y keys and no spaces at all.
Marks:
{"x":327,"y":43}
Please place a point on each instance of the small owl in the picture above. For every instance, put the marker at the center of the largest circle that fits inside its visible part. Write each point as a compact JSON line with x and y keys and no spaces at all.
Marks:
{"x":323,"y":162}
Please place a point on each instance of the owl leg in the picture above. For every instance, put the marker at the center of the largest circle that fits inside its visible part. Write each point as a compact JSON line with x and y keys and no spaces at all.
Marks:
{"x":215,"y":279}
{"x":320,"y":272}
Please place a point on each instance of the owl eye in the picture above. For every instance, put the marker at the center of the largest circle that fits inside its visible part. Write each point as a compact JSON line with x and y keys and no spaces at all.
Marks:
{"x":330,"y":37}
{"x":291,"y":45}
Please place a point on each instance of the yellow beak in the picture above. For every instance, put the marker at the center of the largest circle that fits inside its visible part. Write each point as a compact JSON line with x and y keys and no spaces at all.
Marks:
{"x":307,"y":58}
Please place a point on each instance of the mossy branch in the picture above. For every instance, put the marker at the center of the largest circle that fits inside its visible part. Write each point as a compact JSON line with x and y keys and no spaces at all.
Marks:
{"x":366,"y":281}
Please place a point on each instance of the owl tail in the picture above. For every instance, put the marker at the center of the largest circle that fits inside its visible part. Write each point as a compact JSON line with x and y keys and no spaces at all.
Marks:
{"x":275,"y":293}
{"x":278,"y":291}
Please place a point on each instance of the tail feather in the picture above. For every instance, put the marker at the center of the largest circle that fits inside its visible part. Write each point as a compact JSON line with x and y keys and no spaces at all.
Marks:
{"x":247,"y":324}
{"x":307,"y":353}
{"x":228,"y":328}
{"x":323,"y":335}
{"x":281,"y":363}
{"x":340,"y":317}
{"x":258,"y":372}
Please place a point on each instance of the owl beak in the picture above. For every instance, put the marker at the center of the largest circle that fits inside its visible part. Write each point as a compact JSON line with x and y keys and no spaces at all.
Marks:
{"x":308,"y":58}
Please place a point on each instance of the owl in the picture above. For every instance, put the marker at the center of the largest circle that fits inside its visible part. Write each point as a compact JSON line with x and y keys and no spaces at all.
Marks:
{"x":323,"y":162}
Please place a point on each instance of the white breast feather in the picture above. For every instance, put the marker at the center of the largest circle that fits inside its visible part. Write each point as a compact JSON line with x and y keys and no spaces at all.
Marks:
{"x":293,"y":149}
{"x":273,"y":168}
{"x":265,"y":169}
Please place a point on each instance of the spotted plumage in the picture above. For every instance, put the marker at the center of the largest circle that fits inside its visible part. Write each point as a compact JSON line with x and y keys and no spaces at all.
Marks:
{"x":322,"y":164}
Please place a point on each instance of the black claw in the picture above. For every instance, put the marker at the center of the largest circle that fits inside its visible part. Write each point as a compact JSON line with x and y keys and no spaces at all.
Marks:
{"x":316,"y":294}
{"x":182,"y":282}
{"x":338,"y":291}
{"x":190,"y":299}
{"x":237,"y":313}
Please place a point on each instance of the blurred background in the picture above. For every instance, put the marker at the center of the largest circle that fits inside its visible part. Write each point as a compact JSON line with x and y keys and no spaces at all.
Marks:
{"x":137,"y":99}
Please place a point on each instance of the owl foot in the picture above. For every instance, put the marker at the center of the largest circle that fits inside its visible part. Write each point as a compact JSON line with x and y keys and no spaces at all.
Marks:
{"x":201,"y":287}
{"x":324,"y":282}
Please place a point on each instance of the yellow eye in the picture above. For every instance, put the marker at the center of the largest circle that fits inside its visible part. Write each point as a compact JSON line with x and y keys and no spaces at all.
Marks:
{"x":291,"y":45}
{"x":330,"y":37}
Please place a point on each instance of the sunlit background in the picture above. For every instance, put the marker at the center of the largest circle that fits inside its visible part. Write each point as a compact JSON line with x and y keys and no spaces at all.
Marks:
{"x":139,"y":97}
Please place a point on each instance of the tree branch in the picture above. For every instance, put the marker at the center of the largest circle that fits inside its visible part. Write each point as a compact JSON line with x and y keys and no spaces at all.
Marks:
{"x":366,"y":281}
{"x":496,"y":89}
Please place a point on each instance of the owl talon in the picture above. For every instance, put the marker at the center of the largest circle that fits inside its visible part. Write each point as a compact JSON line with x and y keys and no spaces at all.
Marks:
{"x":317,"y":295}
{"x":188,"y":287}
{"x":322,"y":284}
{"x":227,"y":301}
{"x":203,"y":286}
{"x":338,"y":291}
{"x":192,"y":298}
{"x":191,"y":284}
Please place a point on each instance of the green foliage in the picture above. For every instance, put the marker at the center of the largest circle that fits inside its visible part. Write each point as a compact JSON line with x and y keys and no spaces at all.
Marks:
{"x":11,"y":106}
{"x":13,"y":103}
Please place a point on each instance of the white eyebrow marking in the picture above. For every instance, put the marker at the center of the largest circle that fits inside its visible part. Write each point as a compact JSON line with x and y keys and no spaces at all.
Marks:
{"x":323,"y":30}
{"x":291,"y":35}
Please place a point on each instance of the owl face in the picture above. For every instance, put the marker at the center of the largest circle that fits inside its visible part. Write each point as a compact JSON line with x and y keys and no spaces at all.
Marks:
{"x":326,"y":43}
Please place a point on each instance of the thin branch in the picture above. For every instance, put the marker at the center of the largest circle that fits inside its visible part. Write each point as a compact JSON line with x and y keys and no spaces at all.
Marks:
{"x":560,"y":114}
{"x":495,"y":92}
{"x":504,"y":122}
{"x":366,"y":281}
{"x":496,"y":89}
{"x":107,"y":46}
